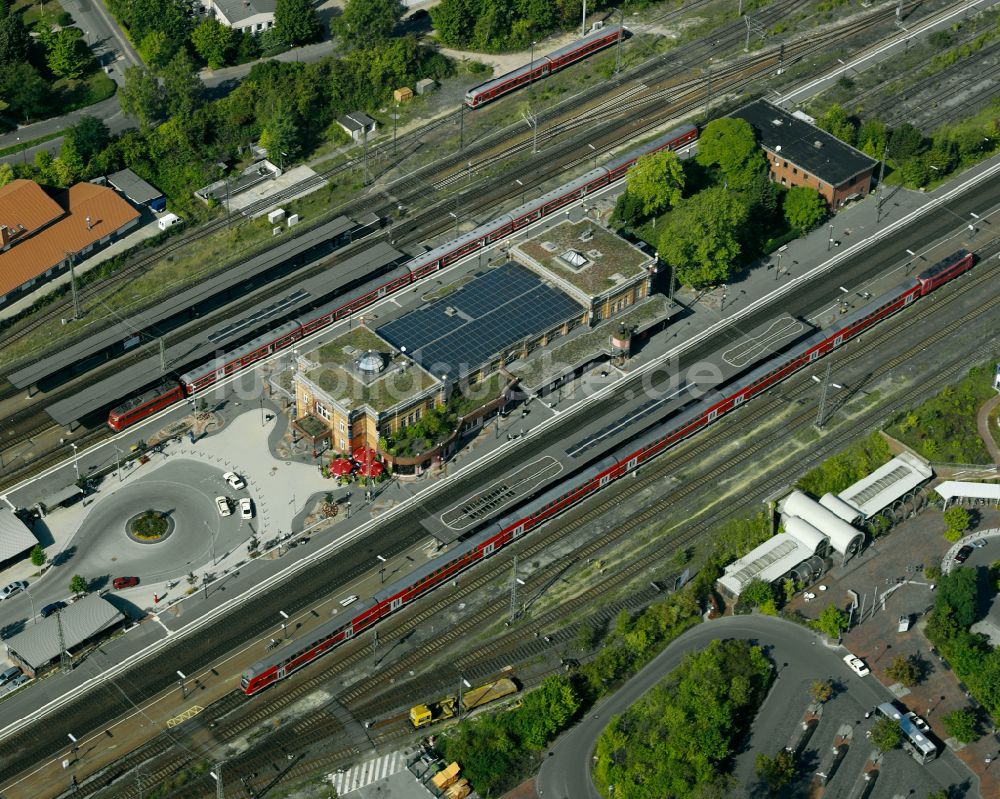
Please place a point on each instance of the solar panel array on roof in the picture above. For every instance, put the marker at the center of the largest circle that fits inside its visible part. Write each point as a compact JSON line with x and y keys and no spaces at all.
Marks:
{"x":459,"y":333}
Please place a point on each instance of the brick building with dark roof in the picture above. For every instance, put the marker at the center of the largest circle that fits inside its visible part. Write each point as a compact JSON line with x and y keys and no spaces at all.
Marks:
{"x":801,"y":154}
{"x":88,"y":217}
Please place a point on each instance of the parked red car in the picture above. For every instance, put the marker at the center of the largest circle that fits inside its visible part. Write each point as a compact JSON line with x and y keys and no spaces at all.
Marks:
{"x":124,"y":582}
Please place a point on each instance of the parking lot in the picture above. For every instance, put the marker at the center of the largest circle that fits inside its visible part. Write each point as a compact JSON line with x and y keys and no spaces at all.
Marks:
{"x":891,"y":570}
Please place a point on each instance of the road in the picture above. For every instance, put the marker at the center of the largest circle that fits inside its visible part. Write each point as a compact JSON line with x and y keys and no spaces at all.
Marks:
{"x":800,"y":656}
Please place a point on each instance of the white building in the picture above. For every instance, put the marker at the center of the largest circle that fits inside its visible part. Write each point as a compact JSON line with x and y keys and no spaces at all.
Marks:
{"x":249,"y":16}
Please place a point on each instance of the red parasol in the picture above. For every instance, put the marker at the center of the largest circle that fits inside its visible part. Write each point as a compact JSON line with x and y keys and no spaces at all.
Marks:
{"x":341,"y":467}
{"x":364,"y":455}
{"x":373,"y":470}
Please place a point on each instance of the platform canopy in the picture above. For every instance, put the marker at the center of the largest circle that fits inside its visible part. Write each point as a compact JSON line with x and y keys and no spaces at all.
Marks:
{"x":887,"y":484}
{"x":953,"y":489}
{"x":15,"y":537}
{"x":38,"y":645}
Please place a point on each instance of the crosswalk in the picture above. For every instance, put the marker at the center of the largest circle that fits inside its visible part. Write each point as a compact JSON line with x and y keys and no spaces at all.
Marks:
{"x":366,"y":773}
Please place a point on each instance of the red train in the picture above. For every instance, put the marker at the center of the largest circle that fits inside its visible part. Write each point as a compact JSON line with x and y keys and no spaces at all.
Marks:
{"x":542,"y":67}
{"x":629,"y":457}
{"x":420,"y":267}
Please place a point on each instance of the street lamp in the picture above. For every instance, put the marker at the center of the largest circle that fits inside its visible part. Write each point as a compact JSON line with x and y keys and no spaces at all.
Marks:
{"x":284,"y":623}
{"x":348,"y":509}
{"x":381,"y":568}
{"x":76,"y":460}
{"x":594,"y":149}
{"x":829,"y":243}
{"x":182,"y":684}
{"x":519,"y":183}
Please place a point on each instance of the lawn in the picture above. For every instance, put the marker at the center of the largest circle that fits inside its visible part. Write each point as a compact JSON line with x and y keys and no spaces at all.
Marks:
{"x":35,"y":10}
{"x":90,"y":89}
{"x":943,"y":428}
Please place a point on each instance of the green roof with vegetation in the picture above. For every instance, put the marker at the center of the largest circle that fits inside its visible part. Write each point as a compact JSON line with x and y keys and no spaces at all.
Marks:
{"x":611,"y":260}
{"x":336,"y":375}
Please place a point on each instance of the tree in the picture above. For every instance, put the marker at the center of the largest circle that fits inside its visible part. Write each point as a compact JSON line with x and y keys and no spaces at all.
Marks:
{"x":804,"y":208}
{"x":656,"y":181}
{"x":155,"y":49}
{"x":886,"y":734}
{"x":15,"y":41}
{"x":821,"y":690}
{"x":730,"y":145}
{"x":38,"y":556}
{"x":701,"y":238}
{"x":905,"y":142}
{"x":6,"y":174}
{"x":831,"y":622}
{"x":182,"y":87}
{"x":777,"y":771}
{"x":903,"y":670}
{"x":366,"y":22}
{"x":89,"y":137}
{"x":958,"y":591}
{"x":78,"y":585}
{"x":26,"y":91}
{"x":213,"y":41}
{"x":627,"y":210}
{"x":872,"y":137}
{"x":281,"y":137}
{"x":67,"y":56}
{"x":757,"y":592}
{"x":956,"y":520}
{"x":142,"y":96}
{"x":961,"y":724}
{"x":295,"y":22}
{"x":837,"y":123}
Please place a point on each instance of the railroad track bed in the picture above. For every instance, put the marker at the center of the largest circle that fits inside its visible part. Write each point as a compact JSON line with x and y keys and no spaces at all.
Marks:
{"x":371,"y":699}
{"x":607,"y":136}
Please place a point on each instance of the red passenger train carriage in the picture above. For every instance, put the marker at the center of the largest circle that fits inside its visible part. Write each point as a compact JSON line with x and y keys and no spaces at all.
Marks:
{"x":624,"y":460}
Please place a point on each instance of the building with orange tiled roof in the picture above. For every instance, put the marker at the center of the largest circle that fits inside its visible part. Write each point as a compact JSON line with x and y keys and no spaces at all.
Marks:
{"x":25,"y":209}
{"x":89,"y":217}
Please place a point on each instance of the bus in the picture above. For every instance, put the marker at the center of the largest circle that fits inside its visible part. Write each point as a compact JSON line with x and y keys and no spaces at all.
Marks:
{"x":915,"y":740}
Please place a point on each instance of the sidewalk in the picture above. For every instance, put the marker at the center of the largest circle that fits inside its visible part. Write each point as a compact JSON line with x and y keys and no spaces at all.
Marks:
{"x":983,"y":426}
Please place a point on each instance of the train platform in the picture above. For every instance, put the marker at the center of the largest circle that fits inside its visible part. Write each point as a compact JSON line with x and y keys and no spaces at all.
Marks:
{"x":188,"y":303}
{"x":225,"y":339}
{"x":751,"y":302}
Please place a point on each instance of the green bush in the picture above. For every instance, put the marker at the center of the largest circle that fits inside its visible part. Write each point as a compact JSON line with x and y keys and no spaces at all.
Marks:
{"x":962,"y":725}
{"x":847,"y":467}
{"x":944,"y":427}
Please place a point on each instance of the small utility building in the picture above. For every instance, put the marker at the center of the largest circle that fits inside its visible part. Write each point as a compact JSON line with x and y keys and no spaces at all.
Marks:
{"x":138,"y":191}
{"x":357,"y":124}
{"x":801,"y":154}
{"x":83,"y":620}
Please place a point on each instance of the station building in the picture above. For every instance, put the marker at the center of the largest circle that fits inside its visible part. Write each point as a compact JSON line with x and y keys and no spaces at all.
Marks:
{"x":15,"y":538}
{"x":601,"y":271}
{"x":801,"y":154}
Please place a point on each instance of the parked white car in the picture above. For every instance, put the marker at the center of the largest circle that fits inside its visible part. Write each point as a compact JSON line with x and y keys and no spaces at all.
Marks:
{"x":223,"y":505}
{"x":234,"y":480}
{"x":857,"y":665}
{"x":246,"y":508}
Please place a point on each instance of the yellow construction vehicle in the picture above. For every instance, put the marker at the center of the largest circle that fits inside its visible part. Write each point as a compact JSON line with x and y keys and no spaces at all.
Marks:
{"x":448,"y":707}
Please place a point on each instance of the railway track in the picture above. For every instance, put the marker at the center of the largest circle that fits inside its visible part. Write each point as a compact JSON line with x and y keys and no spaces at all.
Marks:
{"x":369,"y":698}
{"x":607,"y":136}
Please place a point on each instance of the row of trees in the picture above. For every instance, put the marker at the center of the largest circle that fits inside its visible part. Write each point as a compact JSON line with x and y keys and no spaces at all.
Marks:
{"x":675,"y":740}
{"x":919,"y":158}
{"x":288,"y":107}
{"x":974,"y":661}
{"x":160,"y":29}
{"x":29,"y":65}
{"x":723,"y":208}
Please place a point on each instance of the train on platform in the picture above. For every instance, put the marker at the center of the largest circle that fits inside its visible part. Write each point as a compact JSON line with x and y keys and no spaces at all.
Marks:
{"x":625,"y":460}
{"x":543,"y":66}
{"x":154,"y":400}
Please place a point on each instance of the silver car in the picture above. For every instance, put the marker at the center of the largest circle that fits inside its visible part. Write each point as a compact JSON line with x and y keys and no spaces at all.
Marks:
{"x":13,"y":588}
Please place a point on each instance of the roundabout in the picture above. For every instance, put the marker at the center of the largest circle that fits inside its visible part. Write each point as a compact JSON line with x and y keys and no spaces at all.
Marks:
{"x":150,"y":527}
{"x":160,"y":526}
